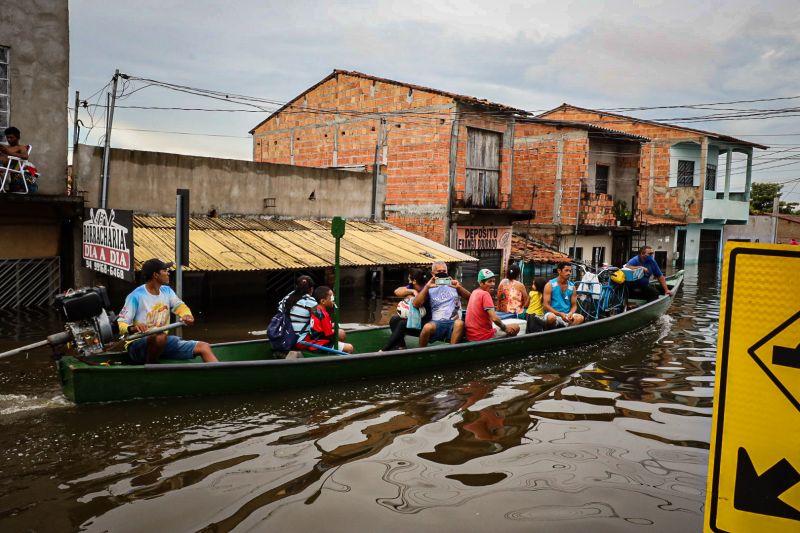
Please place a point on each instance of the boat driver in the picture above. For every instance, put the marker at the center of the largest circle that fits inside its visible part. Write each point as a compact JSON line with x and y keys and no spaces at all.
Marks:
{"x":641,"y":287}
{"x":444,"y":294}
{"x":148,"y":307}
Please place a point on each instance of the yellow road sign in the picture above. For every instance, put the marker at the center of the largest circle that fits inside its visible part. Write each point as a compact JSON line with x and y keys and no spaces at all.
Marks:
{"x":754,"y":468}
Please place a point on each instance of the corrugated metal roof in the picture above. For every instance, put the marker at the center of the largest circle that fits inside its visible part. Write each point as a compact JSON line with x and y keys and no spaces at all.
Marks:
{"x":238,"y":243}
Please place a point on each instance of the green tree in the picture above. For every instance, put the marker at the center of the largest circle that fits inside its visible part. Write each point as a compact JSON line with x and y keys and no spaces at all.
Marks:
{"x":762,"y":196}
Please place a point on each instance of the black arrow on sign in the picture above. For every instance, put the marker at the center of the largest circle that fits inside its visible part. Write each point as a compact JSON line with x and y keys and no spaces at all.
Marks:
{"x":786,"y":356}
{"x":759,"y":494}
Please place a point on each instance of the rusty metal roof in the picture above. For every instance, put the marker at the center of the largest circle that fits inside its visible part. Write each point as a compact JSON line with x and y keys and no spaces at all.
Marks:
{"x":238,"y":243}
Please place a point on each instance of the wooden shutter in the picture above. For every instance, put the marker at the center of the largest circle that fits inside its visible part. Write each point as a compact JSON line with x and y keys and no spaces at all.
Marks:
{"x":483,"y":168}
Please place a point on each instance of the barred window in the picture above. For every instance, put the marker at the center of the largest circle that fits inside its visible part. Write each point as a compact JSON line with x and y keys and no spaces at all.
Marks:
{"x":685,"y":173}
{"x":601,"y":179}
{"x":5,"y":104}
{"x":711,"y":177}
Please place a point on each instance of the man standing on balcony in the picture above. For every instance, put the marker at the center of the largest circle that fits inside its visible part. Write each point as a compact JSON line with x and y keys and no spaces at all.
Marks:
{"x":641,"y":288}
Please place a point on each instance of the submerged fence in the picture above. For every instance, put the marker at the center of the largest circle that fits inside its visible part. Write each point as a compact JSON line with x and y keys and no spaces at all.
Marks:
{"x":29,"y":282}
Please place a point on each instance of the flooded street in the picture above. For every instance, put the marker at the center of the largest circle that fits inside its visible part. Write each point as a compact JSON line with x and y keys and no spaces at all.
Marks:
{"x":612,"y":437}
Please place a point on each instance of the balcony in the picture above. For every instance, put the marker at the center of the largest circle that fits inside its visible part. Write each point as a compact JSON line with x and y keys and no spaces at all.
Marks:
{"x":734,"y":210}
{"x":597,"y":210}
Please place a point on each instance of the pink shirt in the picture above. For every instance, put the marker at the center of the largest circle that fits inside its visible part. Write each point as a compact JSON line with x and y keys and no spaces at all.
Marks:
{"x":479,"y":325}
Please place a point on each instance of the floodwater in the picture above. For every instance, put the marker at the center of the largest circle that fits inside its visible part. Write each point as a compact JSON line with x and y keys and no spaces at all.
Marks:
{"x":612,"y":437}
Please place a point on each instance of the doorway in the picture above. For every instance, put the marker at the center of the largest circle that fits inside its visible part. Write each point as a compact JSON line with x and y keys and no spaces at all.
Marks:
{"x":709,"y":245}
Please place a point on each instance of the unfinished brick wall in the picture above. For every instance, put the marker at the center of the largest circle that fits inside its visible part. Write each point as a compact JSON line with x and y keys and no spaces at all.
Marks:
{"x":675,"y":202}
{"x":536,"y":161}
{"x":330,"y":125}
{"x":597,"y":210}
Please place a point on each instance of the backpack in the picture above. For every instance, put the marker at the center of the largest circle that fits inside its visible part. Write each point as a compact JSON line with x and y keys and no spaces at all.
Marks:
{"x":280,"y":332}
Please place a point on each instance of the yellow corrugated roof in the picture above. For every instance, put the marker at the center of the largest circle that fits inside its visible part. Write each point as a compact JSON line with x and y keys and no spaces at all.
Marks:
{"x":219,"y":244}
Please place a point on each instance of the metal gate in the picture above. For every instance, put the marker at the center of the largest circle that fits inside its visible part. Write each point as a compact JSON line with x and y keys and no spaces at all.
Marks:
{"x":491,"y":259}
{"x":483,"y":168}
{"x":29,"y":282}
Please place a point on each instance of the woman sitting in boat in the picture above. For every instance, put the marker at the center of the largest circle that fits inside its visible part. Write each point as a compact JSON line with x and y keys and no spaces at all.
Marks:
{"x":512,"y":299}
{"x":417,"y":279}
{"x":300,"y":303}
{"x":321,"y":332}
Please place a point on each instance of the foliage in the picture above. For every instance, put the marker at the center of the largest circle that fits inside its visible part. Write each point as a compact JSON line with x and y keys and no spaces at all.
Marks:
{"x":621,"y":211}
{"x":761,"y":198}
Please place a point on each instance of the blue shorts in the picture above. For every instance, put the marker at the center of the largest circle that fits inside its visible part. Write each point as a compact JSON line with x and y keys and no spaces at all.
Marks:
{"x":176,"y":348}
{"x":444,"y":330}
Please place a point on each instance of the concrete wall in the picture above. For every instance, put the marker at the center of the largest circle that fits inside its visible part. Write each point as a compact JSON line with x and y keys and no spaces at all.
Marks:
{"x":146,"y":182}
{"x":587,"y":242}
{"x":37,"y":33}
{"x":759,"y":228}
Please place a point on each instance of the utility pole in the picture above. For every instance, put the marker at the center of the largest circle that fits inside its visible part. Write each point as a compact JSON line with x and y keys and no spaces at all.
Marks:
{"x":111,"y":100}
{"x":76,"y":133}
{"x":577,"y":217}
{"x":378,"y":146}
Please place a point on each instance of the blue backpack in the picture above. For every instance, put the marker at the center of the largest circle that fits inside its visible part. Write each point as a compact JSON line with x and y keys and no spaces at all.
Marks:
{"x":280,"y":332}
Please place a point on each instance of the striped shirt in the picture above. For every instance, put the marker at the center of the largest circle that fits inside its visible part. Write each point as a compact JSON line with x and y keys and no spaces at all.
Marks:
{"x":300,"y":314}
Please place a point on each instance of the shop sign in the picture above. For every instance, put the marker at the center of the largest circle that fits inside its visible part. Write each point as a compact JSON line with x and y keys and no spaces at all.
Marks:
{"x":108,"y":242}
{"x":483,"y":238}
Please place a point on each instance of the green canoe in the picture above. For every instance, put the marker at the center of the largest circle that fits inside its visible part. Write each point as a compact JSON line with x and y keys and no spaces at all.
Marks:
{"x":250,"y":366}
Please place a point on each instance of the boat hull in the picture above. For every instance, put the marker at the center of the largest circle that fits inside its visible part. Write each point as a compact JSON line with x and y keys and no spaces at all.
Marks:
{"x":248,"y":366}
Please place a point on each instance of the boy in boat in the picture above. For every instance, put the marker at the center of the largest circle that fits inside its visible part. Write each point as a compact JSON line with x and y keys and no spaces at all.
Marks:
{"x":149,"y":306}
{"x":641,"y":287}
{"x":480,"y":310}
{"x":560,"y":299}
{"x":321,"y":324}
{"x":444,"y":294}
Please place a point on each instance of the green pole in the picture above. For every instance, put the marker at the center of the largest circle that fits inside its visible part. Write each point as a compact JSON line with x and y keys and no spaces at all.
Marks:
{"x":337,"y":230}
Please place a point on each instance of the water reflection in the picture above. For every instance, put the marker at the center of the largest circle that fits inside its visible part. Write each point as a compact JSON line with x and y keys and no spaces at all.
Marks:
{"x":612,"y":436}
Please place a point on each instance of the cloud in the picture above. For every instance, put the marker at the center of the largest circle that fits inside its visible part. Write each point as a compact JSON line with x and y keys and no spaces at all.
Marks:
{"x":532,"y":55}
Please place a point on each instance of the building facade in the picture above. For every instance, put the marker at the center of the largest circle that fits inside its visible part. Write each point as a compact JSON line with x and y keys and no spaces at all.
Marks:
{"x":37,"y":231}
{"x":446,"y":159}
{"x":679,"y":178}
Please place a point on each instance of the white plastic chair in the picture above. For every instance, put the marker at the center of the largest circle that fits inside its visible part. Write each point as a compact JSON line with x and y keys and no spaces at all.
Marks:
{"x":16,"y":165}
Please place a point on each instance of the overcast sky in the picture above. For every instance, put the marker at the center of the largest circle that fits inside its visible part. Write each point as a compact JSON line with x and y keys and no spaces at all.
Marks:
{"x":530,"y":55}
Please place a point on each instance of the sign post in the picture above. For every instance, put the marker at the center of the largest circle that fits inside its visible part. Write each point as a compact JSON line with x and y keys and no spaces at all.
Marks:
{"x":337,"y":230}
{"x":754,"y":468}
{"x":181,"y":240}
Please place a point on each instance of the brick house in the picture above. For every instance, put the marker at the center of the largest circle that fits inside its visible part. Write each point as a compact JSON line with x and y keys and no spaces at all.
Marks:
{"x":566,"y":168}
{"x":445,"y":158}
{"x":679,"y":183}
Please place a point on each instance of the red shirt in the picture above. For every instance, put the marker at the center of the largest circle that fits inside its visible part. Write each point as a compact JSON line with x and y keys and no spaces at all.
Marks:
{"x":321,"y":328}
{"x":478,"y":324}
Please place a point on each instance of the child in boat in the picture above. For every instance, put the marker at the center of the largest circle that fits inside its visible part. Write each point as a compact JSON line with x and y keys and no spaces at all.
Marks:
{"x":535,"y":311}
{"x":321,"y":324}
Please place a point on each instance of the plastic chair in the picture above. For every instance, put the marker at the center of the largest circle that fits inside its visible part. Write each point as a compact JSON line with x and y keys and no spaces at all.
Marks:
{"x":16,"y":165}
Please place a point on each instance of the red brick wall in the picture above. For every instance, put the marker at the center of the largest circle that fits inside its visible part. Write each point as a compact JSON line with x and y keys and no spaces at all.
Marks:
{"x":667,"y":201}
{"x":536,"y":167}
{"x":418,"y":145}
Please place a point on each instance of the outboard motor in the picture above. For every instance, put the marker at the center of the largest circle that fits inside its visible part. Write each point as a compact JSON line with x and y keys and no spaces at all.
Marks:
{"x":90,"y":322}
